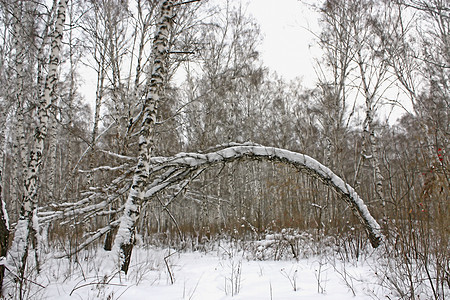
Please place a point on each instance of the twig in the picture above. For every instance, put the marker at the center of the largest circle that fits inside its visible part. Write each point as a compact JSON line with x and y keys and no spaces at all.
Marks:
{"x":181,"y":52}
{"x":94,"y":283}
{"x":186,"y":2}
{"x":23,"y":278}
{"x":168,"y":267}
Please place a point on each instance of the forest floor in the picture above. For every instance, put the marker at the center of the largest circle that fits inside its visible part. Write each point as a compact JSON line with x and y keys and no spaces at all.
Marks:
{"x":221,"y":272}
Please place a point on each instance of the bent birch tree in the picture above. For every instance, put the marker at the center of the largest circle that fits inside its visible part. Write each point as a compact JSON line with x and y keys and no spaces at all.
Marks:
{"x":302,"y":162}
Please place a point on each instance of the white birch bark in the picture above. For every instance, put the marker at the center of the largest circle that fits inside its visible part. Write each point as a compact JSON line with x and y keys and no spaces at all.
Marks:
{"x":4,"y":221}
{"x":125,"y":238}
{"x":52,"y":158}
{"x":20,"y":53}
{"x":20,"y":161}
{"x":369,"y":140}
{"x":98,"y":104}
{"x":26,"y":228}
{"x":371,"y":151}
{"x":98,"y":100}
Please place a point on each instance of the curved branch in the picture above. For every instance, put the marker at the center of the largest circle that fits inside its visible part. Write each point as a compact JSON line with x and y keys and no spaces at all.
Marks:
{"x":300,"y":161}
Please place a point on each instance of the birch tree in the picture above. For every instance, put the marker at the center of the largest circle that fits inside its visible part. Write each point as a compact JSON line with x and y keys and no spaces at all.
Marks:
{"x":335,"y":100}
{"x":26,"y":230}
{"x":4,"y":219}
{"x":229,"y":69}
{"x":415,"y":46}
{"x":125,"y":238}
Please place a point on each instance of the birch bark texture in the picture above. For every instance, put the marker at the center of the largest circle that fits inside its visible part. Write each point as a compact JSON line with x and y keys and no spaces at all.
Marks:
{"x":125,"y":238}
{"x":20,"y":161}
{"x":27,"y":226}
{"x":4,"y":221}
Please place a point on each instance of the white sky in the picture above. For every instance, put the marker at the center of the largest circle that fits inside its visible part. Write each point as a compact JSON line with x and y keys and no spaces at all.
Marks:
{"x":289,"y":43}
{"x":286,"y":26}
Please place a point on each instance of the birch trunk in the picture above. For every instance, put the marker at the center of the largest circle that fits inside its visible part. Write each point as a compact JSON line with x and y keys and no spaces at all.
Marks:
{"x":20,"y":161}
{"x":4,"y":222}
{"x":41,"y":59}
{"x":98,"y":101}
{"x":145,"y":25}
{"x":98,"y":104}
{"x":52,"y":158}
{"x":371,"y":154}
{"x":27,"y":225}
{"x":369,"y":141}
{"x":126,"y":234}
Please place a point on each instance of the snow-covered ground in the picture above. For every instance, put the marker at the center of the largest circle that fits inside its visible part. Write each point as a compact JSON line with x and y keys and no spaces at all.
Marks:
{"x":220,"y":273}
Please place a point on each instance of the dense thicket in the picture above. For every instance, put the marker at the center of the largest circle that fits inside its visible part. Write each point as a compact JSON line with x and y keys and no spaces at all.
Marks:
{"x":217,"y":90}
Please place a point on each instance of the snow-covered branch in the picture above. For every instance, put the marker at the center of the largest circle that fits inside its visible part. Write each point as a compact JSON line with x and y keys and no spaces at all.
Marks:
{"x":302,"y":162}
{"x":99,"y":233}
{"x":105,"y":168}
{"x":119,"y":155}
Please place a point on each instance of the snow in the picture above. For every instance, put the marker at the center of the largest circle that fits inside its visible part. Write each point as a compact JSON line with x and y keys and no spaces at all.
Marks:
{"x":19,"y":242}
{"x":223,"y":273}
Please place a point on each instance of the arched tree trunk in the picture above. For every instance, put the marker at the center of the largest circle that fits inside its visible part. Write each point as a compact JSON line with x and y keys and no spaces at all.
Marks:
{"x":302,"y":162}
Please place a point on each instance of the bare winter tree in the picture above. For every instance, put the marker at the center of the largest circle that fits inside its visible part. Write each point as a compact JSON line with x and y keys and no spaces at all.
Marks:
{"x":125,"y":237}
{"x":334,"y":97}
{"x":419,"y":60}
{"x":229,"y":69}
{"x":26,"y":230}
{"x":4,"y":221}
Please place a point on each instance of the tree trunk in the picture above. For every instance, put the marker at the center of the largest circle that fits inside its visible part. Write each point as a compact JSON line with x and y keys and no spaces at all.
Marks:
{"x":369,"y":141}
{"x":20,"y":161}
{"x":27,"y":226}
{"x":126,"y":234}
{"x":4,"y":223}
{"x":52,"y":158}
